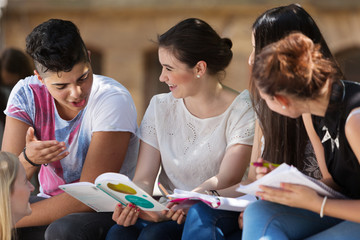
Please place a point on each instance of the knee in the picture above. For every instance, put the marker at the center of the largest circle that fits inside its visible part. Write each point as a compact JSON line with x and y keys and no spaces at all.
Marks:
{"x":120,"y":232}
{"x":113,"y":232}
{"x":63,"y":228}
{"x":79,"y":226}
{"x":197,"y":211}
{"x":257,"y":209}
{"x":152,"y":232}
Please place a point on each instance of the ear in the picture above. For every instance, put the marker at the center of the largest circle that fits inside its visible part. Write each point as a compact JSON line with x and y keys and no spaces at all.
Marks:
{"x":200,"y":68}
{"x":282,"y":100}
{"x":38,"y":76}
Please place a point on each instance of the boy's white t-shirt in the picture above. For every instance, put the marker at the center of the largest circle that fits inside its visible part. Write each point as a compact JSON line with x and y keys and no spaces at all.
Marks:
{"x":110,"y":108}
{"x":191,"y":148}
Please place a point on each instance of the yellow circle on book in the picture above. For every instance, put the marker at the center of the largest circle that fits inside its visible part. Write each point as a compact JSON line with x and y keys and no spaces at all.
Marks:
{"x":122,"y":188}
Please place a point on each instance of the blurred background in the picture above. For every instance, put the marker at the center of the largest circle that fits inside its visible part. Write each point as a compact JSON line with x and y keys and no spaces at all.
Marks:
{"x":121,"y":34}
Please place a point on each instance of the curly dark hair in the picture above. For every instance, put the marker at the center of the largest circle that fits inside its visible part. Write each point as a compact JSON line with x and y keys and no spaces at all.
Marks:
{"x":56,"y":45}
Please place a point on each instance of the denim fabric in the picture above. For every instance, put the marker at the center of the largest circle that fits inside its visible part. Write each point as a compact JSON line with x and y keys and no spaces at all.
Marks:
{"x":270,"y":221}
{"x":76,"y":226}
{"x":204,"y":222}
{"x":144,"y":230}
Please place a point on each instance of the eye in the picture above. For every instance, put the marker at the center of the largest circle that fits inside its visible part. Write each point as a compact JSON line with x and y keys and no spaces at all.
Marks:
{"x":83,"y":79}
{"x":60,"y":87}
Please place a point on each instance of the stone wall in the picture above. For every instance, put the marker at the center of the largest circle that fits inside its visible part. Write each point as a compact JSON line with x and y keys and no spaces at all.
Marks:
{"x":122,"y":31}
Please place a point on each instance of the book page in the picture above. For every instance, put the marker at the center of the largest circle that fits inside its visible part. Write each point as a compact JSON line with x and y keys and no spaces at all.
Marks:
{"x":188,"y":198}
{"x":122,"y":188}
{"x":90,"y":195}
{"x":289,"y":174}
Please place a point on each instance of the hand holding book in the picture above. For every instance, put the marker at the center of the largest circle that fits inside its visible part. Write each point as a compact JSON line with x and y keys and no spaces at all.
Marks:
{"x":109,"y":190}
{"x":289,"y":174}
{"x":187,"y":199}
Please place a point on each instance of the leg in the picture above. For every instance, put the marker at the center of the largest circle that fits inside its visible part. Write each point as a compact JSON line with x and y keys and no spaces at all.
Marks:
{"x":276,"y":221}
{"x":118,"y":232}
{"x":31,"y":233}
{"x":168,"y":230}
{"x":235,"y":236}
{"x":87,"y":225}
{"x":203,"y":222}
{"x":344,"y":230}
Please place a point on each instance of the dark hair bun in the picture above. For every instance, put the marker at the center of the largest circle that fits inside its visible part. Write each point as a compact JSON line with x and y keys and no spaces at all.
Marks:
{"x":228,"y":42}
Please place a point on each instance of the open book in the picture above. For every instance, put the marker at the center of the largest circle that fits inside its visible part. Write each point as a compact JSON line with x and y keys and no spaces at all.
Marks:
{"x":109,"y":190}
{"x":187,"y":198}
{"x":289,"y":174}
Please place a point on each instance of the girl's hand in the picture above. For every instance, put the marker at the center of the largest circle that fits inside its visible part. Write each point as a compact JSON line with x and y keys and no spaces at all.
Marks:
{"x":262,"y":171}
{"x":43,"y":152}
{"x":175,"y":213}
{"x":126,"y":216}
{"x":292,"y":195}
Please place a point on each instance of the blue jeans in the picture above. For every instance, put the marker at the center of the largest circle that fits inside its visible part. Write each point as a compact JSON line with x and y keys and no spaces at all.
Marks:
{"x":204,"y":222}
{"x":75,"y":226}
{"x":271,"y":221}
{"x":144,"y":230}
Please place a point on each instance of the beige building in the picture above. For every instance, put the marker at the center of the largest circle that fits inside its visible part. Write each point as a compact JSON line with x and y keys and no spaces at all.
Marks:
{"x":121,"y":33}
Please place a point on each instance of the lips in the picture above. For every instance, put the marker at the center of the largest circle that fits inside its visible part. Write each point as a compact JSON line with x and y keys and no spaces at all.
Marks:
{"x":171,"y":87}
{"x":79,"y":104}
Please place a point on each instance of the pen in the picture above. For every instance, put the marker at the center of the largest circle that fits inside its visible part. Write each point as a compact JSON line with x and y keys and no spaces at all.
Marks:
{"x":163,"y":191}
{"x":259,"y":164}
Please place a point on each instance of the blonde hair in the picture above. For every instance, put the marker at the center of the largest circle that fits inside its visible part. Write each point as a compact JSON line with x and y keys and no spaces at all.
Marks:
{"x":9,"y":165}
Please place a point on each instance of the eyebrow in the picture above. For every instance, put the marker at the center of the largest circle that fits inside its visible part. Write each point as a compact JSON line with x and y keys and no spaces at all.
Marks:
{"x":62,"y":84}
{"x":168,"y":66}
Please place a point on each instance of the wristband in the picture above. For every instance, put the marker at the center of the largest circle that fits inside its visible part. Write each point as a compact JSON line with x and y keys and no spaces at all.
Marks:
{"x":212,"y":193}
{"x":215,"y":193}
{"x":322,"y":207}
{"x":28,"y":160}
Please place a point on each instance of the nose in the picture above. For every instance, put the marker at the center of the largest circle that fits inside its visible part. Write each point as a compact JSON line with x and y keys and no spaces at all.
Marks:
{"x":162,"y":76}
{"x":75,"y":92}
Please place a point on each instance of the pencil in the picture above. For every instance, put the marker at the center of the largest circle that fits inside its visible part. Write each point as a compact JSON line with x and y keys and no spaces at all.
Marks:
{"x":163,"y":191}
{"x":259,"y":164}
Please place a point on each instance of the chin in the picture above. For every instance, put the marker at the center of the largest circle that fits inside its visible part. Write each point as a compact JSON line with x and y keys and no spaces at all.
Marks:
{"x":175,"y":96}
{"x":28,"y":211}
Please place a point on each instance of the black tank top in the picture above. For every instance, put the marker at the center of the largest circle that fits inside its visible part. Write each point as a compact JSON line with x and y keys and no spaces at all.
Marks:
{"x":341,"y":161}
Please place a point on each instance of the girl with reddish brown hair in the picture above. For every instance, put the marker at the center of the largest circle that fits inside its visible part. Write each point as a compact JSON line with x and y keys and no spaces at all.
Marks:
{"x":294,"y":78}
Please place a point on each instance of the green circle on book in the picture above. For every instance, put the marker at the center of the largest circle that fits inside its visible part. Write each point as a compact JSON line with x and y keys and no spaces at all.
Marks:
{"x":122,"y":188}
{"x":138,"y":201}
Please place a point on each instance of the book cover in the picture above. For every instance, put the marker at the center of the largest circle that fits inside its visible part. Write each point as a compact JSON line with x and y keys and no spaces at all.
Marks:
{"x":289,"y":174}
{"x":109,"y":190}
{"x":188,"y":198}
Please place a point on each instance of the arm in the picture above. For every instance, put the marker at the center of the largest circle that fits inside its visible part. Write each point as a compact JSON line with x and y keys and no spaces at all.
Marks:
{"x":347,"y":209}
{"x":319,"y":150}
{"x":255,"y":154}
{"x":147,"y":168}
{"x":14,"y":142}
{"x":303,"y":197}
{"x":17,"y":134}
{"x":106,"y":153}
{"x":232,"y":169}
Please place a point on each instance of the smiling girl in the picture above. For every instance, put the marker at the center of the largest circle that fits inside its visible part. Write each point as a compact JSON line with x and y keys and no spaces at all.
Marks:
{"x":15,"y":191}
{"x":200,"y":133}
